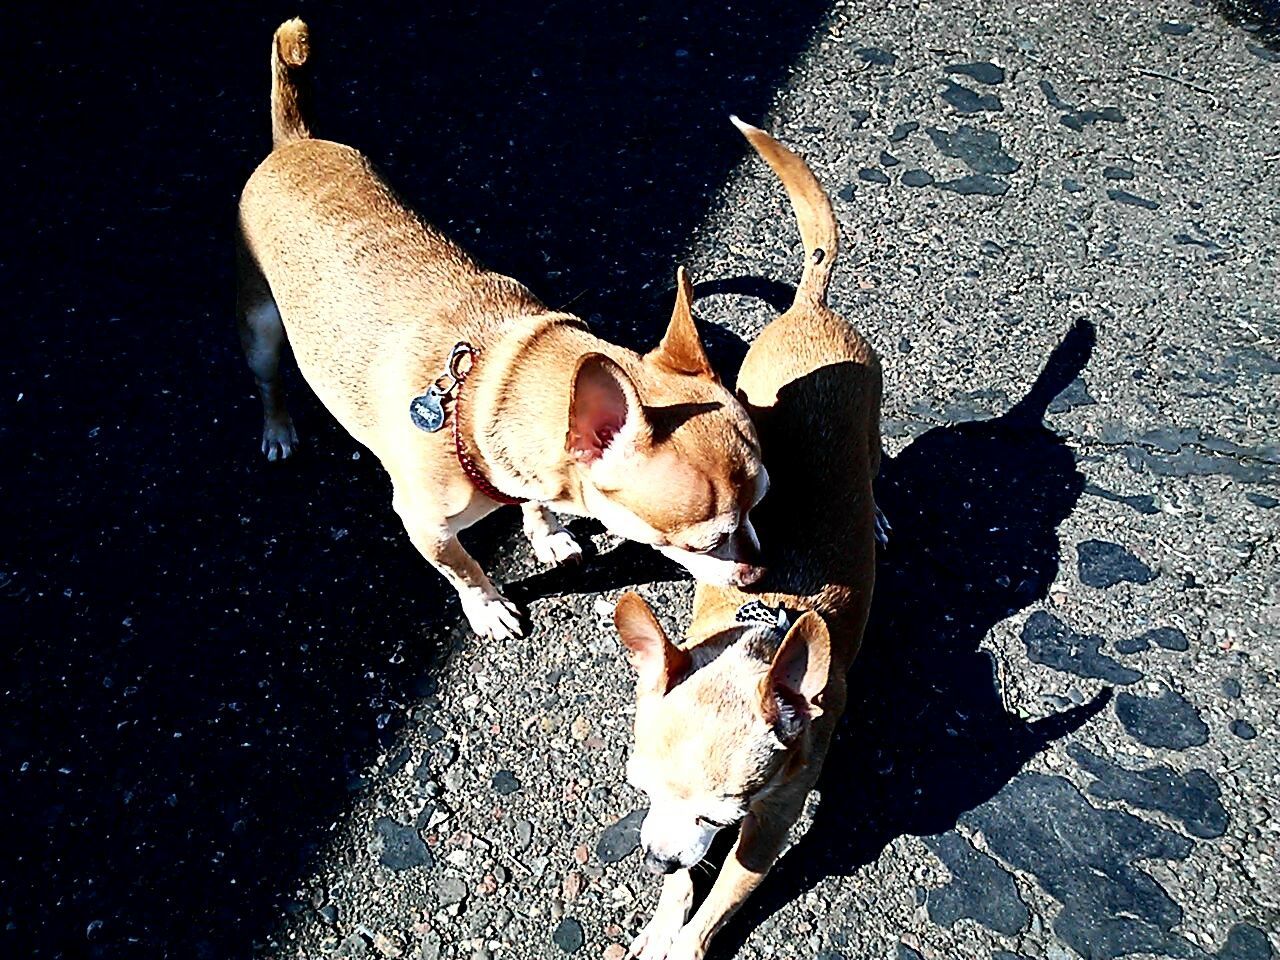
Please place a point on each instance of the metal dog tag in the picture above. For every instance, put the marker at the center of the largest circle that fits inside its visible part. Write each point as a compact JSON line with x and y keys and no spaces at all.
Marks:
{"x":427,"y":411}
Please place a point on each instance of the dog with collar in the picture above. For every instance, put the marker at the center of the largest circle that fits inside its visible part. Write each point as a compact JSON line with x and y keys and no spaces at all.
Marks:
{"x":470,"y":392}
{"x":732,"y":725}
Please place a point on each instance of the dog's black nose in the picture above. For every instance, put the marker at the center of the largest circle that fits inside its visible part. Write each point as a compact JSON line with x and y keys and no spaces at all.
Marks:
{"x":659,"y":865}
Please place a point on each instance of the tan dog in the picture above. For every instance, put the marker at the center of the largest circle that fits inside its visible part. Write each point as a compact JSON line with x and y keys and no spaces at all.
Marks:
{"x":470,"y":391}
{"x":732,"y":726}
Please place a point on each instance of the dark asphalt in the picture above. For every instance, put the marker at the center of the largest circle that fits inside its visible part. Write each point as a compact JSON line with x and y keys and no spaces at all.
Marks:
{"x":205,"y":654}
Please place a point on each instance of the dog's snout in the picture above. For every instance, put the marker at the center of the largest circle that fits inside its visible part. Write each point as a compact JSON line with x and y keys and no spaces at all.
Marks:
{"x":746,"y":548}
{"x":655,"y":863}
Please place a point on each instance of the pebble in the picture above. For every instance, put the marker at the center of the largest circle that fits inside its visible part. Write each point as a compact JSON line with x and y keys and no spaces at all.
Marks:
{"x":505,"y":782}
{"x":568,"y":935}
{"x":450,"y":890}
{"x":1243,"y":729}
{"x":580,"y":728}
{"x":614,"y":951}
{"x":572,"y":886}
{"x":621,"y":838}
{"x":524,"y":833}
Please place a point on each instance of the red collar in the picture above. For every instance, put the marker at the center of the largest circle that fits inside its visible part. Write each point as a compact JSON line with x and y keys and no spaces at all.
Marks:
{"x":471,"y":466}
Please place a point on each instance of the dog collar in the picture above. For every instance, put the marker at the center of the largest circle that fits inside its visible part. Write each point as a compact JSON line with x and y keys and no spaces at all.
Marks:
{"x":428,"y":413}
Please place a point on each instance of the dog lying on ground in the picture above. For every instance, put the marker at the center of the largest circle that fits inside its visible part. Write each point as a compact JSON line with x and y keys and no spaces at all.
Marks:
{"x":733,"y":725}
{"x":470,"y":392}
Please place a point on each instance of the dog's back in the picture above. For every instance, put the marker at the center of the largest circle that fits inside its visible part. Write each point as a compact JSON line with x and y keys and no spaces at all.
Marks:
{"x":349,"y":266}
{"x":812,"y":385}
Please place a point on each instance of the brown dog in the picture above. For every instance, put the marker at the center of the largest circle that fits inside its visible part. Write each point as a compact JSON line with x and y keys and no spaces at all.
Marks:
{"x":732,"y":727}
{"x":470,"y":391}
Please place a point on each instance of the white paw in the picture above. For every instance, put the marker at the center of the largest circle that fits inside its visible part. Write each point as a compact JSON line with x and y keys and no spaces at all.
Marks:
{"x":654,"y":941}
{"x":686,"y":947}
{"x":556,"y":548}
{"x":495,"y":618}
{"x":882,"y":527}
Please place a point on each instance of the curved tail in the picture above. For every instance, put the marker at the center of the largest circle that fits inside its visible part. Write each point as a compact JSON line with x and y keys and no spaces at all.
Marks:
{"x":812,"y":207}
{"x":290,"y":91}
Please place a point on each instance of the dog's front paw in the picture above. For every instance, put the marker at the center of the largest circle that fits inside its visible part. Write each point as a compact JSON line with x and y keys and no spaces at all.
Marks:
{"x":493,"y":617}
{"x":654,"y":941}
{"x":556,"y":548}
{"x":687,"y":945}
{"x":279,"y":438}
{"x":882,"y":527}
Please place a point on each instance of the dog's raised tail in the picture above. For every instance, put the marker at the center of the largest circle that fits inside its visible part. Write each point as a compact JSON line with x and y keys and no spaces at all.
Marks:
{"x":812,"y":207}
{"x":290,"y":90}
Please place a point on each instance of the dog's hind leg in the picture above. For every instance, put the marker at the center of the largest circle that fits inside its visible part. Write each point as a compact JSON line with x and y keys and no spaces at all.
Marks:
{"x":263,"y":338}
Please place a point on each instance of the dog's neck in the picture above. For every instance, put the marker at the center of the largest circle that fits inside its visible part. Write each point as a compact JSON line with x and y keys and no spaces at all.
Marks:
{"x":519,"y":396}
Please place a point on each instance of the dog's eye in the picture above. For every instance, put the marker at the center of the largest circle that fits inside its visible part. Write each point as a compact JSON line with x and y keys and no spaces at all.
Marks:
{"x":711,"y":823}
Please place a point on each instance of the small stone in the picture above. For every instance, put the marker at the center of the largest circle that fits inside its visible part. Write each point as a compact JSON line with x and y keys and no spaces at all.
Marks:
{"x":401,"y":847}
{"x":1102,"y":564}
{"x":329,"y":913}
{"x":572,"y":886}
{"x":966,"y":101}
{"x":1117,"y":173}
{"x":621,"y":838}
{"x":1133,"y":200}
{"x":872,"y":175}
{"x":524,"y":833}
{"x":902,"y":130}
{"x":568,"y":935}
{"x":1071,"y":186}
{"x":1243,"y":729}
{"x":976,"y":184}
{"x":1168,"y":720}
{"x":505,"y":782}
{"x":614,"y":951}
{"x":581,"y":854}
{"x":887,"y":159}
{"x":876,"y":57}
{"x":985,"y":73}
{"x":917,"y":178}
{"x":487,"y":886}
{"x":580,"y":728}
{"x":1174,"y":29}
{"x":450,"y":890}
{"x":1231,"y":688}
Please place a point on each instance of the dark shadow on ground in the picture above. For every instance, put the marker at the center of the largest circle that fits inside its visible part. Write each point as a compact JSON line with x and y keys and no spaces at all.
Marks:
{"x":975,"y":509}
{"x":203,"y":652}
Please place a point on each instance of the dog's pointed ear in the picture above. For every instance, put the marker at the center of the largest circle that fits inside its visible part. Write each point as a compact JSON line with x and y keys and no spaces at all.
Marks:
{"x":604,"y":410}
{"x":681,"y":348}
{"x":791,"y":691}
{"x":659,"y":663}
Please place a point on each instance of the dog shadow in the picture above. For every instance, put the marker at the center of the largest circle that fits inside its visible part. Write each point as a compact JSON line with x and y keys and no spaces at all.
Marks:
{"x":975,"y":509}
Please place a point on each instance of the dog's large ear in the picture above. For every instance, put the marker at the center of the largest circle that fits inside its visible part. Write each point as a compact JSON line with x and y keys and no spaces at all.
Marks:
{"x":791,"y":691}
{"x":604,"y":410}
{"x":681,"y":348}
{"x":659,"y":663}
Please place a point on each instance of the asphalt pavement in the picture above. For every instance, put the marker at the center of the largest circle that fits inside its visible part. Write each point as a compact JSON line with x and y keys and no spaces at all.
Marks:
{"x":242,"y":718}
